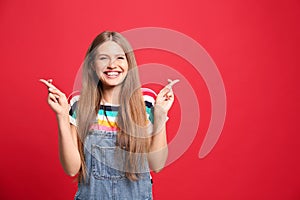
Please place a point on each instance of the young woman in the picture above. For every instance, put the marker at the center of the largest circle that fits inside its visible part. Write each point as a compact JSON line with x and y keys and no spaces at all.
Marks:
{"x":114,"y":133}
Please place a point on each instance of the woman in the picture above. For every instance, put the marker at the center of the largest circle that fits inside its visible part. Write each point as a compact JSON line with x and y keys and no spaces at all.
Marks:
{"x":115,"y":131}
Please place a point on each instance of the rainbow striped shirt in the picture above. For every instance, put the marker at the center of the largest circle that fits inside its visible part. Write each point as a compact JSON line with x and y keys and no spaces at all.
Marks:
{"x":107,"y":114}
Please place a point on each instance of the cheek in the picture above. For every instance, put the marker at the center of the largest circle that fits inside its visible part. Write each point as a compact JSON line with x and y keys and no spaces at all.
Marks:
{"x":125,"y":66}
{"x":98,"y":70}
{"x":98,"y":67}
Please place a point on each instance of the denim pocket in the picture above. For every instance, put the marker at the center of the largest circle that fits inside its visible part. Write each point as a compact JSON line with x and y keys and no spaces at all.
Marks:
{"x":106,"y":163}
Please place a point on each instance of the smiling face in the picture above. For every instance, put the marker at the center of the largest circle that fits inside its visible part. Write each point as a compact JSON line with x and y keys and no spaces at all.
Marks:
{"x":110,"y":64}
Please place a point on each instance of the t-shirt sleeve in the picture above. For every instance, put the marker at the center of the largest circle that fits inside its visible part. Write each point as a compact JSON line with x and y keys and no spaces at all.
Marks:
{"x":73,"y":108}
{"x":149,"y":98}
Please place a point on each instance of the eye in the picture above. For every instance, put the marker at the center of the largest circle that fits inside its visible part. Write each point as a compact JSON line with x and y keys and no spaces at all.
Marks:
{"x":103,"y":58}
{"x":121,"y":57}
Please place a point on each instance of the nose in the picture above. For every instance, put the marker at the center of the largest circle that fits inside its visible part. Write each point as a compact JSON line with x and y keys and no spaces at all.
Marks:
{"x":112,"y":64}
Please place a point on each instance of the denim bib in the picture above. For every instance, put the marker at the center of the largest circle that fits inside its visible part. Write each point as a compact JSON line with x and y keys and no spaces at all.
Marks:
{"x":106,"y":178}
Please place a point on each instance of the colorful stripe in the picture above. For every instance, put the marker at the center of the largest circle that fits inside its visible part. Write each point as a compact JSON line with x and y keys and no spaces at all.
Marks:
{"x":105,"y":128}
{"x":107,"y":114}
{"x":106,"y":123}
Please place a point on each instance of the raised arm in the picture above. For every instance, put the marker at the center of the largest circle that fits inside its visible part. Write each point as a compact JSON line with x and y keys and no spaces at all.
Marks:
{"x":159,"y":147}
{"x":67,"y":133}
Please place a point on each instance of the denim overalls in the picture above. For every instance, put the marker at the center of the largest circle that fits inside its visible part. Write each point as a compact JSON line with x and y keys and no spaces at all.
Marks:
{"x":105,"y":179}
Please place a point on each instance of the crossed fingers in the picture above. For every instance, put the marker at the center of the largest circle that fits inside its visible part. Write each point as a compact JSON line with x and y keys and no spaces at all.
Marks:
{"x":54,"y":93}
{"x":171,"y":83}
{"x":167,"y":93}
{"x":48,"y":83}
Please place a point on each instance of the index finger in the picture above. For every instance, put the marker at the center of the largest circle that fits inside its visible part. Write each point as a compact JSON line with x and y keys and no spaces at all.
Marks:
{"x":171,"y":83}
{"x":49,"y":85}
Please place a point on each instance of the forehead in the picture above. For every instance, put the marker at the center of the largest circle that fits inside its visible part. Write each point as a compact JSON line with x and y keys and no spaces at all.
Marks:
{"x":110,"y":48}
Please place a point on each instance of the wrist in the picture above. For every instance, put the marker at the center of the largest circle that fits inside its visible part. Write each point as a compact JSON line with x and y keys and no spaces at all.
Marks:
{"x":62,"y":116}
{"x":159,"y":110}
{"x":160,"y":118}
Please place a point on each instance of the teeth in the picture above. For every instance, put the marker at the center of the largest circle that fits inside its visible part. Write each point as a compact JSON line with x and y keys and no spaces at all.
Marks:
{"x":112,"y":73}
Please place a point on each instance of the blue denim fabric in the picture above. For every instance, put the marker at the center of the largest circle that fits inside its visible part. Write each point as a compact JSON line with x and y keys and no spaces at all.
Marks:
{"x":106,"y":179}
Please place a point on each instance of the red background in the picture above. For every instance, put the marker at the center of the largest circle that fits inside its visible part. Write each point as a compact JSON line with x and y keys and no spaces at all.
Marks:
{"x":255,"y":45}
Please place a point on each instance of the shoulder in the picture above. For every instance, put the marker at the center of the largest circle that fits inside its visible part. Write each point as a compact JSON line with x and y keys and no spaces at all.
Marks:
{"x":149,"y":99}
{"x":73,"y":102}
{"x":149,"y":96}
{"x":73,"y":99}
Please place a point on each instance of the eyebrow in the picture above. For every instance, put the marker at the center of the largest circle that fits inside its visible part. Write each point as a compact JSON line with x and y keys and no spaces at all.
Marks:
{"x":120,"y":54}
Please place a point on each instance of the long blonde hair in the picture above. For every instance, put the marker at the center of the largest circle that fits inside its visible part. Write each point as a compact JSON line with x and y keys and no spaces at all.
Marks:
{"x":131,"y":119}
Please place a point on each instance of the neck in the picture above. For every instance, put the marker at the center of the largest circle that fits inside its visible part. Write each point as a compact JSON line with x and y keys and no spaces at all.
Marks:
{"x":111,"y":94}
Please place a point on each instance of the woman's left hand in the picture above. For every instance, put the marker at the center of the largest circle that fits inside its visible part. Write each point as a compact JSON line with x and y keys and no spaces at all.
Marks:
{"x":165,"y":97}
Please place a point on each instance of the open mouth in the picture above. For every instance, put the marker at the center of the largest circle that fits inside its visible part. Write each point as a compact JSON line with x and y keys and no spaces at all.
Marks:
{"x":112,"y":74}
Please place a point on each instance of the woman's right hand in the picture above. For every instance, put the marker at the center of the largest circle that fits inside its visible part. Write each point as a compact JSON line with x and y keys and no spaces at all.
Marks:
{"x":57,"y":100}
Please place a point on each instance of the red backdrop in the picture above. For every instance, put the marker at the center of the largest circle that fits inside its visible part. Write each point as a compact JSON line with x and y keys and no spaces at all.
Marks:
{"x":254,"y":44}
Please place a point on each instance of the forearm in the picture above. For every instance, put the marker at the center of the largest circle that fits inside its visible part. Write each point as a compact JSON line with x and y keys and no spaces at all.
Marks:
{"x":68,"y":150}
{"x":158,"y":151}
{"x":158,"y":147}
